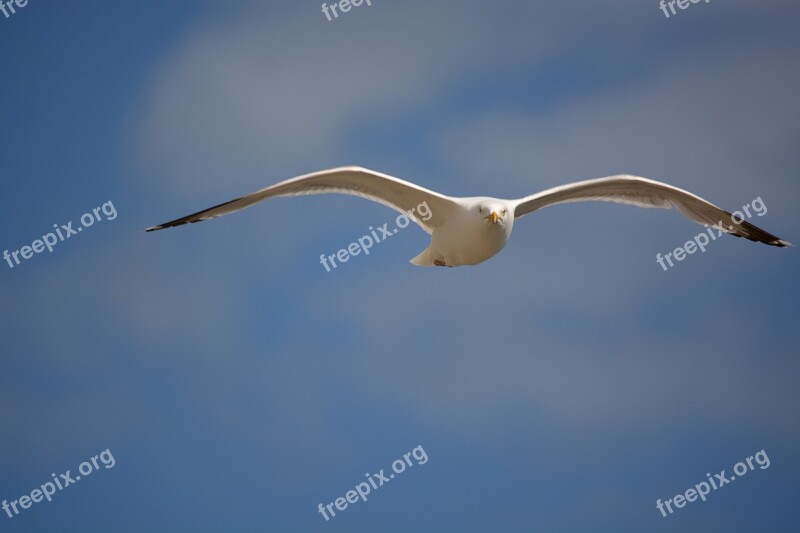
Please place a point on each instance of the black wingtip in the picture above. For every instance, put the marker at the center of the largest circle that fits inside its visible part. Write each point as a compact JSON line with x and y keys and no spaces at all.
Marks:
{"x":743,"y":228}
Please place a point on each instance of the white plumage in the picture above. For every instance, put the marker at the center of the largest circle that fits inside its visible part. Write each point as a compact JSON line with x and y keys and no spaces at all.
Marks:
{"x":468,"y":231}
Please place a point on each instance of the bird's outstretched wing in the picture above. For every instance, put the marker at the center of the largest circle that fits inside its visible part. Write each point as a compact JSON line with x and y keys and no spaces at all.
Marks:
{"x":400,"y":195}
{"x":643,"y":192}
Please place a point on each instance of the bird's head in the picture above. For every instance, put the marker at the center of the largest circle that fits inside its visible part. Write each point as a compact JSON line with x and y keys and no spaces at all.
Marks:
{"x":495,"y":214}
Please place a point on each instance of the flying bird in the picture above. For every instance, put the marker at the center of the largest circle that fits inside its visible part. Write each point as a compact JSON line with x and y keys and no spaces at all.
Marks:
{"x":470,"y":230}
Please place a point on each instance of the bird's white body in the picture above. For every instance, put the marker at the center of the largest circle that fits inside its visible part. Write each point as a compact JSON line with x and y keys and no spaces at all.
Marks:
{"x":467,"y":239}
{"x":468,"y":231}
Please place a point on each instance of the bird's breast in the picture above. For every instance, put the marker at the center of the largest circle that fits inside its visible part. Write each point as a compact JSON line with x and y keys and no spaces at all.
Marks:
{"x":469,"y":243}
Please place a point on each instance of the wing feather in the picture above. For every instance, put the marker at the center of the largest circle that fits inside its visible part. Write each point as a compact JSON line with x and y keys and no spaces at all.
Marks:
{"x":400,"y":195}
{"x":643,"y":192}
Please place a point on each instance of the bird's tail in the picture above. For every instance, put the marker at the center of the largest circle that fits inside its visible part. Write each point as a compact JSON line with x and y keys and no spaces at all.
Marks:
{"x":425,"y":258}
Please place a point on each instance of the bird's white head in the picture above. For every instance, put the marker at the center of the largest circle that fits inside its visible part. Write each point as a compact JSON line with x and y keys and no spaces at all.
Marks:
{"x":495,"y":213}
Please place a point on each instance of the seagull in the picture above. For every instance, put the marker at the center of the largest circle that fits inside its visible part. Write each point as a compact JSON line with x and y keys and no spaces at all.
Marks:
{"x":470,"y":230}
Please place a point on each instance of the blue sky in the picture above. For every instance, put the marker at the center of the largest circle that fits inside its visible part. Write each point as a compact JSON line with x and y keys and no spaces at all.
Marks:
{"x":565,"y":384}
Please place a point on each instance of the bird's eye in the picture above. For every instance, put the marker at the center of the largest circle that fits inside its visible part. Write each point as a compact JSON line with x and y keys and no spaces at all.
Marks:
{"x":480,"y":210}
{"x":505,"y":211}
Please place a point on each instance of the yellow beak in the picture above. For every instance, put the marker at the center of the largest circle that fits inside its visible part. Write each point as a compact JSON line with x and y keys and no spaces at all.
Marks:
{"x":494,"y":216}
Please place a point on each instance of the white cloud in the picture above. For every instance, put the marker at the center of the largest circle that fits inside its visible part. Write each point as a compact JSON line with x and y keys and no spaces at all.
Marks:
{"x":719,"y":122}
{"x":255,"y":92}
